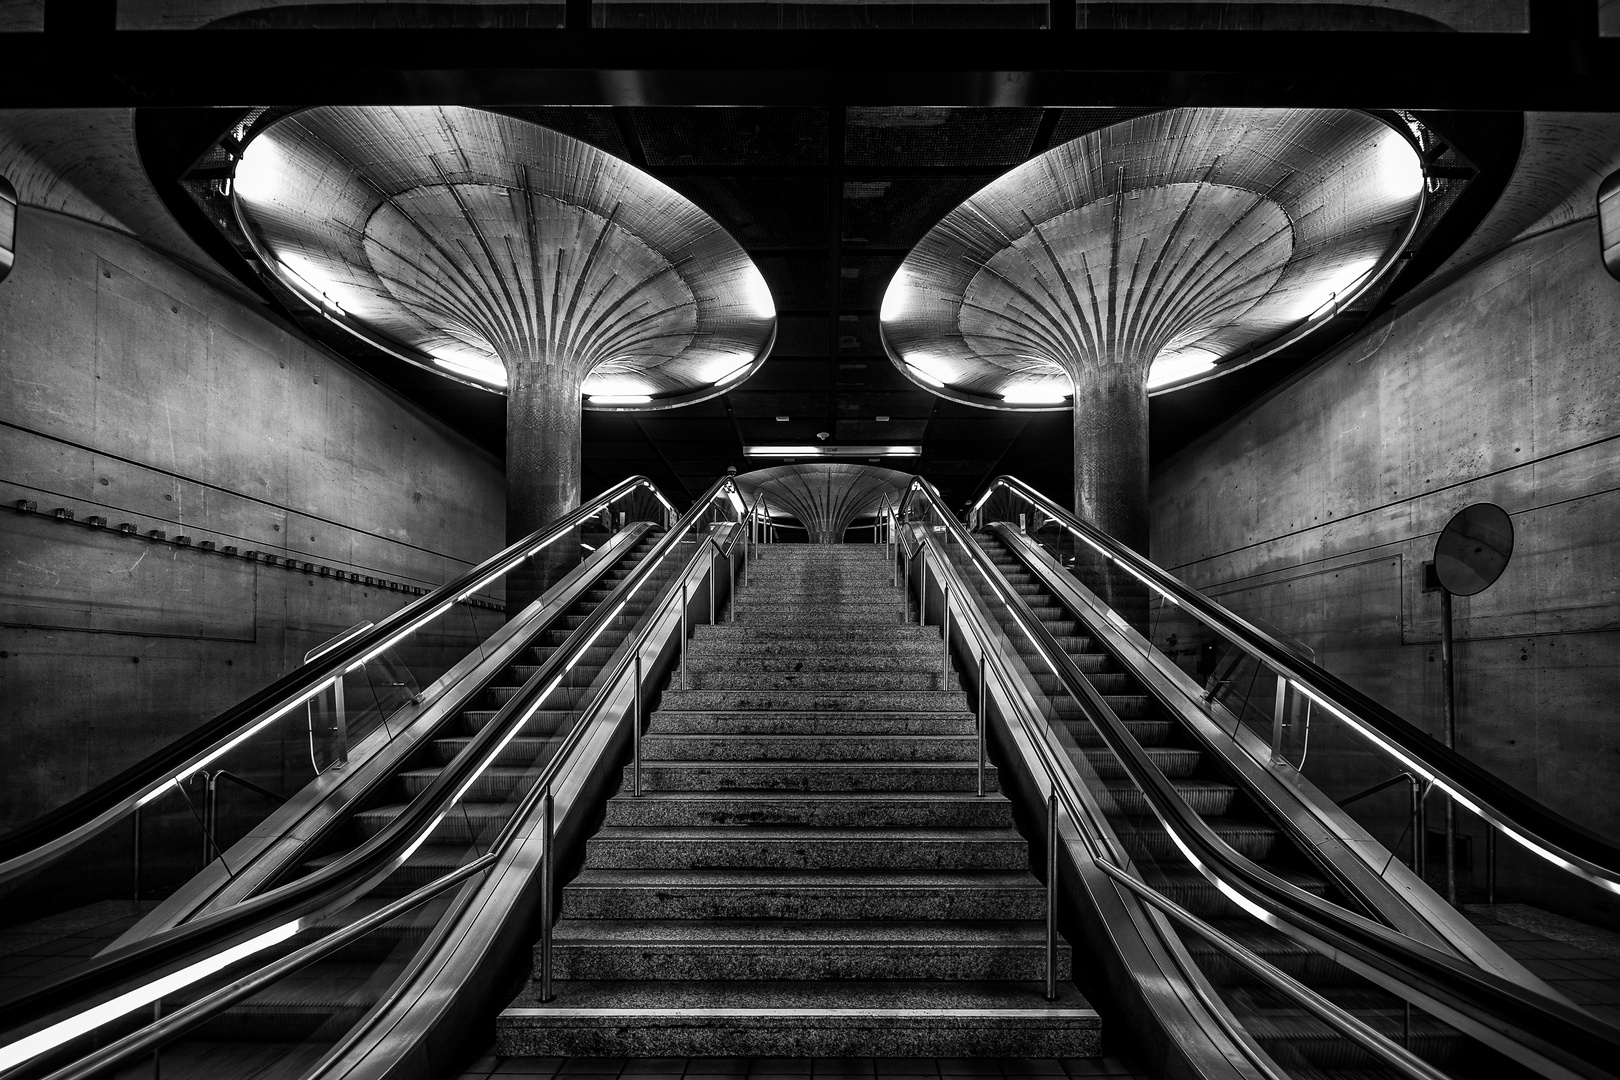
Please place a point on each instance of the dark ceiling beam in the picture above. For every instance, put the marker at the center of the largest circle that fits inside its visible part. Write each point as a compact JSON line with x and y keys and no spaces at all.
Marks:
{"x":1561,"y":64}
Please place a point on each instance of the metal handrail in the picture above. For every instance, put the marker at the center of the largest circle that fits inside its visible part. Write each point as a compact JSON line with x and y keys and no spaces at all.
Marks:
{"x":178,"y":1023}
{"x":1551,"y":1034}
{"x":40,"y":841}
{"x":1530,"y":823}
{"x":332,"y":887}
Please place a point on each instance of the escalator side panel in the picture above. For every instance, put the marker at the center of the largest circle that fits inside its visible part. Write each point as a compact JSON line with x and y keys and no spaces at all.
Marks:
{"x":1144,"y":976}
{"x":487,"y":952}
{"x":286,"y":837}
{"x":1316,"y":824}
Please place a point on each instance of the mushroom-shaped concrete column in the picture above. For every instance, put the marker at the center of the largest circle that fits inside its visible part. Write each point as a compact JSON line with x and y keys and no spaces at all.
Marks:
{"x":506,"y":255}
{"x":1146,"y":254}
{"x":826,"y":497}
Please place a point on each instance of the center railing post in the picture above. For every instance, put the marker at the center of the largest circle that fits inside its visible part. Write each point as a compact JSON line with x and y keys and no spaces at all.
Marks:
{"x":714,"y":576}
{"x":984,"y":698}
{"x":548,"y":865}
{"x":945,"y":637}
{"x":922,"y":590}
{"x":686,"y":603}
{"x":731,"y":586}
{"x":340,"y":728}
{"x":1051,"y":896}
{"x":635,"y":731}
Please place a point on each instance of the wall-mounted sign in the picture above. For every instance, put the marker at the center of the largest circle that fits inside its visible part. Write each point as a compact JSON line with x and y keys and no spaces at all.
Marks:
{"x":1608,"y":201}
{"x":8,"y":227}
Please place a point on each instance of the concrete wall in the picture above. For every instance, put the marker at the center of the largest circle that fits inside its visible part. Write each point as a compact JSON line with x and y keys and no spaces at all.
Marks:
{"x":1316,"y":508}
{"x":133,"y":389}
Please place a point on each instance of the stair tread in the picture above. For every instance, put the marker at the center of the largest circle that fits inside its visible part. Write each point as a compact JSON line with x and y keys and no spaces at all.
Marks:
{"x":818,"y":933}
{"x":799,"y":833}
{"x":851,"y":994}
{"x":597,"y":877}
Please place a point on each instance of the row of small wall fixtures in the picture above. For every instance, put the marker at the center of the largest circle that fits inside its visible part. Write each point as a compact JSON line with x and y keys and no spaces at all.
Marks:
{"x":266,"y":558}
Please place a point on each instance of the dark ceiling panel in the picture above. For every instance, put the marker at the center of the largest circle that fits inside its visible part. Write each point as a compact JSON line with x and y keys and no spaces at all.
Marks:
{"x":862,"y":280}
{"x":901,"y":403}
{"x":801,"y":336}
{"x":867,"y":430}
{"x":797,"y":282}
{"x":732,"y":136}
{"x":895,"y":213}
{"x":788,"y":403}
{"x":762,"y":213}
{"x":781,"y":374}
{"x":939,"y":137}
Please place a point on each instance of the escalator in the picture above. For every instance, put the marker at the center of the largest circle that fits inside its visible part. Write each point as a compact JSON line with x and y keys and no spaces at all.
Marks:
{"x":1304,"y":1045}
{"x":308,"y":935}
{"x":1299,"y":946}
{"x":1231,"y":921}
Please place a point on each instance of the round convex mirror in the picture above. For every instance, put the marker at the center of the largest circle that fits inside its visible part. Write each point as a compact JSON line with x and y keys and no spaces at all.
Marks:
{"x":1473,"y":549}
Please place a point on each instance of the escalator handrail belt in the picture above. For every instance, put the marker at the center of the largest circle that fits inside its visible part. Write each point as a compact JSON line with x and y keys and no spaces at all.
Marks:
{"x":44,"y":838}
{"x":1528,"y":821}
{"x":1440,"y":981}
{"x":332,"y":887}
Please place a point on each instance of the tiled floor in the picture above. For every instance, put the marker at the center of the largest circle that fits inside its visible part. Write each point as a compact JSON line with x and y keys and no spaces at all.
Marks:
{"x":799,"y":1068}
{"x":1579,"y":972}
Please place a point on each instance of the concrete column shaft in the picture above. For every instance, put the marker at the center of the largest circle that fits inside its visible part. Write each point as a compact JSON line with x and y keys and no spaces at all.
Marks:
{"x":1111,"y":450}
{"x":542,"y":469}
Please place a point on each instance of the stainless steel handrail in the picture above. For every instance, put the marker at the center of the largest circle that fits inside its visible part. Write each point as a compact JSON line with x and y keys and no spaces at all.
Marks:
{"x":1533,"y":825}
{"x":564,"y":657}
{"x":41,"y":841}
{"x":1552,"y":1035}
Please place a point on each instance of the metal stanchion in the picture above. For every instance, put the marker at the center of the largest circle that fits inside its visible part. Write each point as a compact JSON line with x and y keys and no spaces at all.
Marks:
{"x":135,"y":884}
{"x":922,"y":590}
{"x":685,"y":604}
{"x":945,"y":638}
{"x":714,"y":574}
{"x":1051,"y":896}
{"x":548,"y":867}
{"x":635,"y":731}
{"x":1490,"y":864}
{"x":731,"y":589}
{"x":984,"y":718}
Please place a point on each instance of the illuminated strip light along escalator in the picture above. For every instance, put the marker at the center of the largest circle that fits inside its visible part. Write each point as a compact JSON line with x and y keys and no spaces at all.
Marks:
{"x":1530,"y":823}
{"x":165,"y":962}
{"x":1549,"y":1035}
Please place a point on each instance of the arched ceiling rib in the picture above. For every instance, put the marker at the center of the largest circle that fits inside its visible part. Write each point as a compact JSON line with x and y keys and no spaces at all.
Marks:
{"x":473,"y":242}
{"x":1170,"y":242}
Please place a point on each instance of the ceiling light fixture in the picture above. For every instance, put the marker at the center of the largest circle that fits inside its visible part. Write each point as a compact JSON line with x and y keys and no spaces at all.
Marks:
{"x":620,"y":399}
{"x":833,"y":451}
{"x":782,"y":419}
{"x":1030,"y":394}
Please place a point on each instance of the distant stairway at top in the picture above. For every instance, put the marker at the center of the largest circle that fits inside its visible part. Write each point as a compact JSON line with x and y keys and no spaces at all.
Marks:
{"x":808,"y":862}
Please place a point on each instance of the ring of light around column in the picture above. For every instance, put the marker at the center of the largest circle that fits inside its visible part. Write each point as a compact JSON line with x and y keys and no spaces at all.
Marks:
{"x":1171,"y":243}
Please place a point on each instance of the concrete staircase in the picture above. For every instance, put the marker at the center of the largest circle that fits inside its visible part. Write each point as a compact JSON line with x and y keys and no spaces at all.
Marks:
{"x":808,"y":870}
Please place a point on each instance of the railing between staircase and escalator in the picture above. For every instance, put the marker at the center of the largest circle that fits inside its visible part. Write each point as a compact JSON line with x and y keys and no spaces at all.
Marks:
{"x":111,"y":987}
{"x":1549,"y":1035}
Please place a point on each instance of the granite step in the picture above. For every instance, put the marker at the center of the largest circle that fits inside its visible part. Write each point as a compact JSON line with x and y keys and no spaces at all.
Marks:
{"x":817,"y":848}
{"x":843,"y":1019}
{"x":808,"y":748}
{"x":821,"y":949}
{"x":640,"y":893}
{"x":715,"y":648}
{"x":854,"y":620}
{"x":754,"y":776}
{"x":814,"y":661}
{"x":837,"y":681}
{"x":919,"y":701}
{"x":896,"y":810}
{"x":806,"y":633}
{"x":680,"y":722}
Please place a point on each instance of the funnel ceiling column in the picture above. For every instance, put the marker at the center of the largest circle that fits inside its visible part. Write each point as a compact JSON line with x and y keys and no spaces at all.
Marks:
{"x":827,"y":498}
{"x":505,"y":255}
{"x":1143,"y":255}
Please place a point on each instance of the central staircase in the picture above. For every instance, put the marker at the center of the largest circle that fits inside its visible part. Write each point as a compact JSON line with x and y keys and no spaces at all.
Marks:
{"x":808,"y":870}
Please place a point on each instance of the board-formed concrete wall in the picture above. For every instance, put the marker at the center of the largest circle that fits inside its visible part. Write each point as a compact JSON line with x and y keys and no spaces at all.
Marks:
{"x":132,"y":389}
{"x":1316,"y":508}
